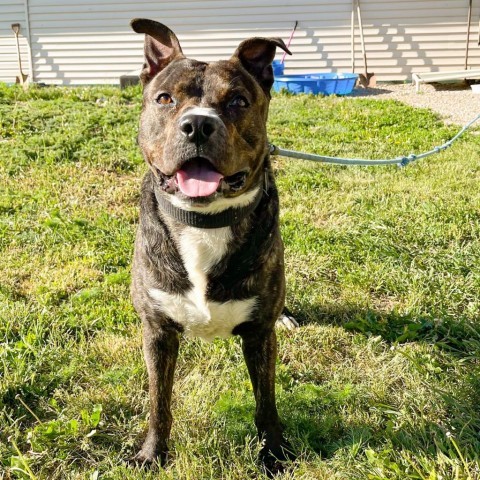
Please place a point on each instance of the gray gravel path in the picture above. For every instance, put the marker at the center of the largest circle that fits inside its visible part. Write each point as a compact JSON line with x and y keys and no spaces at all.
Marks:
{"x":455,"y":103}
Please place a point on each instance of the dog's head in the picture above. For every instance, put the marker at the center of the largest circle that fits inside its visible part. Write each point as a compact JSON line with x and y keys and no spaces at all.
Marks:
{"x":203,"y":125}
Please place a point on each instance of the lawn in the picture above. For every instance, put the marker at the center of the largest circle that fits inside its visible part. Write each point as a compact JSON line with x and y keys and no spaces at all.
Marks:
{"x":381,"y":380}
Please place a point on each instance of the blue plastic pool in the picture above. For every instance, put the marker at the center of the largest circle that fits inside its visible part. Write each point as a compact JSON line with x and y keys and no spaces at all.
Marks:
{"x":317,"y":83}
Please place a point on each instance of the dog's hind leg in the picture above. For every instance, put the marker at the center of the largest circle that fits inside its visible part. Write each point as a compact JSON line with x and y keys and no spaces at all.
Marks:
{"x":260,"y":352}
{"x":160,"y":347}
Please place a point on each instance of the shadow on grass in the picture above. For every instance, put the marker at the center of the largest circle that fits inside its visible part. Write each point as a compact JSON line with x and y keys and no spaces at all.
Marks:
{"x":457,"y":394}
{"x":308,"y":412}
{"x":369,"y":92}
{"x":458,"y":335}
{"x":314,"y":423}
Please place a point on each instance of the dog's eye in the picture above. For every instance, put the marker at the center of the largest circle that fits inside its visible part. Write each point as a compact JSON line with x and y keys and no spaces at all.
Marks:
{"x":164,"y":99}
{"x":239,"y":101}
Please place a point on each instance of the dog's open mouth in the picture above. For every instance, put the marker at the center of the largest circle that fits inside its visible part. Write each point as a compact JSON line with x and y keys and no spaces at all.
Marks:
{"x":198,"y":178}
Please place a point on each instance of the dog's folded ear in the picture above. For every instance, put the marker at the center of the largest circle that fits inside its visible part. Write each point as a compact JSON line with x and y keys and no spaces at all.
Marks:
{"x":161,"y":46}
{"x":256,"y":55}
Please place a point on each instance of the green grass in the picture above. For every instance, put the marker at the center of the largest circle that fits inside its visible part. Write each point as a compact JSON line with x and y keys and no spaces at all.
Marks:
{"x":382,"y":380}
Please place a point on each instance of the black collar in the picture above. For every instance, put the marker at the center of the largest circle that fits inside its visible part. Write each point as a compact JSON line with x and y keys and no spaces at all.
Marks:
{"x":225,"y":218}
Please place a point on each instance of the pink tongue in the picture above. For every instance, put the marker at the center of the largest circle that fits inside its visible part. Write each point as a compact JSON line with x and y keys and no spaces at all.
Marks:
{"x":198,"y":178}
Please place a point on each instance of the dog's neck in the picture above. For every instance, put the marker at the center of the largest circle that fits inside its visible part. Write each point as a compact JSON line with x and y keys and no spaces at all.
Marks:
{"x":223,"y":218}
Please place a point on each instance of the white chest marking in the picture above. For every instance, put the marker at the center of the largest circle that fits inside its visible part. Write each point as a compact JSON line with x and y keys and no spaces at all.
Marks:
{"x":200,"y":250}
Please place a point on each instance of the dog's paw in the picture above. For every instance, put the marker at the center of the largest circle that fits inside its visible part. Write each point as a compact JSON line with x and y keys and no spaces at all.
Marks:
{"x":275,"y":460}
{"x":148,"y":457}
{"x":286,"y":320}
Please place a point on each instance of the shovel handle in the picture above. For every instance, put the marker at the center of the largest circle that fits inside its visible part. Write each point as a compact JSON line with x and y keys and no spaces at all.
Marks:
{"x":352,"y":35}
{"x":362,"y":39}
{"x":16,"y":31}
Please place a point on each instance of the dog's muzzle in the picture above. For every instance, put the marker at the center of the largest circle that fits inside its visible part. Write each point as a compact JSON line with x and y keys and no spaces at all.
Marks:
{"x":198,"y":179}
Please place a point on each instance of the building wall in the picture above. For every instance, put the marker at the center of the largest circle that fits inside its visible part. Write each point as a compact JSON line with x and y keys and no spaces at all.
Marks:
{"x":12,"y":11}
{"x":89,"y":41}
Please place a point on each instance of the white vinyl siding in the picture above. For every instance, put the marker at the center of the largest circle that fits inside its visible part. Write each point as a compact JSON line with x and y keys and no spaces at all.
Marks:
{"x":90,"y":41}
{"x":12,"y":12}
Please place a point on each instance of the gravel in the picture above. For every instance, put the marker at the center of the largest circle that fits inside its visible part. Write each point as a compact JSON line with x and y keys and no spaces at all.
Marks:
{"x":456,"y":103}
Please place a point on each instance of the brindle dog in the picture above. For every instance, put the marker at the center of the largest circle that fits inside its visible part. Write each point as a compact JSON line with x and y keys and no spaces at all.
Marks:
{"x":208,"y":254}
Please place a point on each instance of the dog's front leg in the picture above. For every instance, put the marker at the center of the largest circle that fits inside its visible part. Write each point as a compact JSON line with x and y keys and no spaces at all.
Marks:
{"x":260,"y":352}
{"x":160,"y":347}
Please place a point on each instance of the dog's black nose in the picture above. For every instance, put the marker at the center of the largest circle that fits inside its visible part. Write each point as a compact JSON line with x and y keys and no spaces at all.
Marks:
{"x":197,"y":128}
